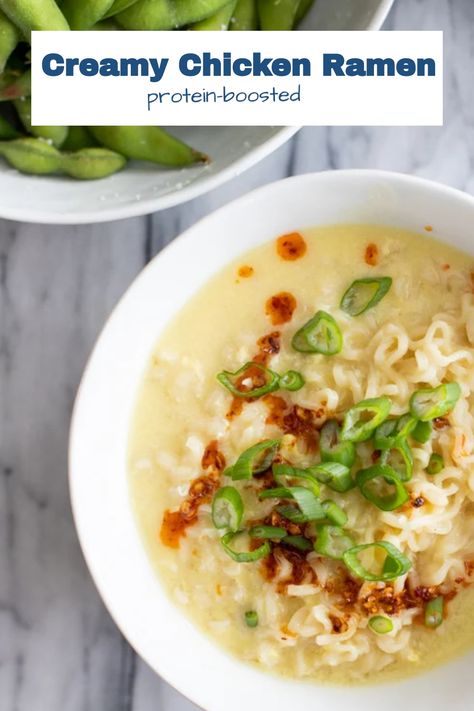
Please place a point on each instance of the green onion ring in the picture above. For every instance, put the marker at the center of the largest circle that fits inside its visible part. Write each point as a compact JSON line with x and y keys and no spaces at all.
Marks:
{"x":227,"y":508}
{"x":336,"y":476}
{"x":226,"y":379}
{"x":364,"y":294}
{"x":245,"y":556}
{"x":272,"y":532}
{"x":380,"y":624}
{"x":254,"y":460}
{"x":332,"y":448}
{"x":388,"y":502}
{"x":321,"y":334}
{"x":292,"y":381}
{"x":395,"y":565}
{"x":431,"y":403}
{"x":362,"y":419}
{"x":434,"y":612}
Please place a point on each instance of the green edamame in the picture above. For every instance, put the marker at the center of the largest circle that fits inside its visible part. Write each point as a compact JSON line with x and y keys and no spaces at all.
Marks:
{"x":119,"y":6}
{"x":218,"y":22}
{"x":92,"y":163}
{"x":37,"y":157}
{"x":9,"y":38}
{"x":30,"y":15}
{"x":78,"y":137}
{"x":85,"y":14}
{"x":167,"y":14}
{"x":277,"y":14}
{"x":245,"y":16}
{"x":148,"y":143}
{"x":31,"y":155}
{"x":56,"y":134}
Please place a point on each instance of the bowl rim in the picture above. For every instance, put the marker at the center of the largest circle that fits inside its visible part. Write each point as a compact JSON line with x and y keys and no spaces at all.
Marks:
{"x":248,"y":199}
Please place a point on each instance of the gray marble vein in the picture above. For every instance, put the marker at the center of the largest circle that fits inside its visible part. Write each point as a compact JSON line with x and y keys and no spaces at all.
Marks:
{"x":59,"y":649}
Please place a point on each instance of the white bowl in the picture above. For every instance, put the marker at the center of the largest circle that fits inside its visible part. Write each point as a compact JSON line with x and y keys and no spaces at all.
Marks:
{"x":107,"y":530}
{"x":144,"y":188}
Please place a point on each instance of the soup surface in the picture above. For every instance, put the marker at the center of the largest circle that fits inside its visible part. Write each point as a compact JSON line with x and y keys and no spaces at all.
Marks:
{"x":303,"y":606}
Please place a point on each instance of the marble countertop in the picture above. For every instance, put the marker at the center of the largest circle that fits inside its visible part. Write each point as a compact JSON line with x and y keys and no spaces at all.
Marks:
{"x":59,"y":649}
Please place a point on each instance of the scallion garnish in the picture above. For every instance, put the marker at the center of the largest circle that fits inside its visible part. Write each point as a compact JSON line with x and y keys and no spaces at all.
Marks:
{"x":336,"y":476}
{"x":230,"y":380}
{"x":362,"y":419}
{"x":291,"y":513}
{"x":394,"y":565}
{"x":332,"y":448}
{"x":364,"y":294}
{"x":227,"y":508}
{"x":271,"y":532}
{"x":373,"y":480}
{"x":282,"y":472}
{"x":254,"y":460}
{"x":400,"y":458}
{"x":422,"y":432}
{"x":434,"y":402}
{"x":291,"y":380}
{"x":334,"y":513}
{"x":299,"y":542}
{"x":243,"y":556}
{"x":332,"y":541}
{"x":307,"y":502}
{"x":380,"y":624}
{"x":251,"y":618}
{"x":320,"y":334}
{"x":435,"y":465}
{"x":434,"y":612}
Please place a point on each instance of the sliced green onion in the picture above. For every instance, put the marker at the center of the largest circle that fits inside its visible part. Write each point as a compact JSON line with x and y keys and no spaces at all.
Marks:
{"x":332,"y":448}
{"x":251,"y":618}
{"x":381,"y":624}
{"x":400,"y":458}
{"x":393,"y":430}
{"x":272,"y":532}
{"x":228,"y":380}
{"x":435,"y":465}
{"x":364,"y":417}
{"x":364,"y":294}
{"x":299,"y":542}
{"x":291,"y":380}
{"x":320,"y":334}
{"x":395,"y":563}
{"x":308,"y":503}
{"x":366,"y":480}
{"x":336,"y":476}
{"x":282,"y":472}
{"x":434,"y":612}
{"x":292,"y":514}
{"x":332,"y":541}
{"x":434,"y":402}
{"x":422,"y":432}
{"x":227,"y":508}
{"x":334,"y":513}
{"x":254,"y":460}
{"x":244,"y":556}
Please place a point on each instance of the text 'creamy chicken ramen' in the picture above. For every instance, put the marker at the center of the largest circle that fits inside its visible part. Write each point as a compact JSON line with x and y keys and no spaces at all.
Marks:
{"x":302,"y":454}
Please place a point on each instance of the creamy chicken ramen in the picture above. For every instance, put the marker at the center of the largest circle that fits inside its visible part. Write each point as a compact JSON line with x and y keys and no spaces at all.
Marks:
{"x":302,"y":454}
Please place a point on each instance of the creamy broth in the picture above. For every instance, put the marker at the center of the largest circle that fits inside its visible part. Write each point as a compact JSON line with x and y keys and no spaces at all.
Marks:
{"x":421,"y":333}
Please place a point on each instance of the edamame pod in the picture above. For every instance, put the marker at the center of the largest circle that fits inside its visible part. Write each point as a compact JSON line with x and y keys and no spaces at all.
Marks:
{"x":148,"y":143}
{"x":167,"y":14}
{"x":78,"y":137}
{"x":119,"y":6}
{"x":38,"y":157}
{"x":245,"y":16}
{"x":92,"y":163}
{"x":31,"y":155}
{"x":277,"y":14}
{"x":218,"y":22}
{"x":85,"y":14}
{"x":30,"y":15}
{"x":56,"y":134}
{"x":9,"y":38}
{"x":7,"y":131}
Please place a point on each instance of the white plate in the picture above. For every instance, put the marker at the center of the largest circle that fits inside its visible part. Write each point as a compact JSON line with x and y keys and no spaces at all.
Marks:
{"x":107,"y":530}
{"x":144,"y":188}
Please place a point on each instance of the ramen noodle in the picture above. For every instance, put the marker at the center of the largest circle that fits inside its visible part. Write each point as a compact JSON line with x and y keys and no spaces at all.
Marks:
{"x":302,"y":454}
